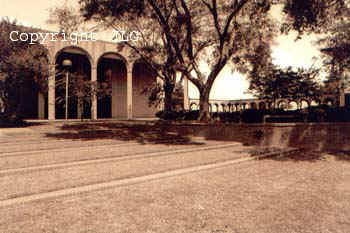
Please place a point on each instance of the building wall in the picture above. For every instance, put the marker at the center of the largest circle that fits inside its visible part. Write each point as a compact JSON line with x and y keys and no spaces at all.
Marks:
{"x":142,"y":78}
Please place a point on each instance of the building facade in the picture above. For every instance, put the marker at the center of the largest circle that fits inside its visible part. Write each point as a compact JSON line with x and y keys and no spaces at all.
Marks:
{"x":99,"y":61}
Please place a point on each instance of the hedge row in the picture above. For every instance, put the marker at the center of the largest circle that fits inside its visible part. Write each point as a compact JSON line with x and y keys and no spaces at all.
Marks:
{"x":312,"y":114}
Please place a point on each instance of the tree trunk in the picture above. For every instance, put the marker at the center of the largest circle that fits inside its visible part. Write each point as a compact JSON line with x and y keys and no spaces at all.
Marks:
{"x":168,"y":95}
{"x":204,"y":114}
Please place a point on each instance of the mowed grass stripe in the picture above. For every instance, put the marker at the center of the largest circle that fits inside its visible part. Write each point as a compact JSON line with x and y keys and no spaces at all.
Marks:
{"x":82,"y":147}
{"x":136,"y":180}
{"x":112,"y":159}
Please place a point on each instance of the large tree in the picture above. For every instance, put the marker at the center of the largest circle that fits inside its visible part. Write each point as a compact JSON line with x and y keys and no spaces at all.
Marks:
{"x":20,"y":63}
{"x":330,"y":19}
{"x":198,"y":33}
{"x":285,"y":83}
{"x":217,"y":33}
{"x":313,"y":16}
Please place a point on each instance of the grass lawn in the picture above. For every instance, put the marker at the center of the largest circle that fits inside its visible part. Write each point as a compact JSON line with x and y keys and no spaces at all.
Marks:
{"x":282,"y":196}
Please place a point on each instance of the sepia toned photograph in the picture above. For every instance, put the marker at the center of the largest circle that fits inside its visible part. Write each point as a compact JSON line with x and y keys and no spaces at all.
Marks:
{"x":175,"y":116}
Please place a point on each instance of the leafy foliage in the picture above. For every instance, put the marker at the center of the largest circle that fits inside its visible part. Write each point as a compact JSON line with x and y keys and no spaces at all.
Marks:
{"x":214,"y":34}
{"x":313,"y":15}
{"x":20,"y":63}
{"x":285,"y":83}
{"x":67,"y":19}
{"x":193,"y":34}
{"x":81,"y":89}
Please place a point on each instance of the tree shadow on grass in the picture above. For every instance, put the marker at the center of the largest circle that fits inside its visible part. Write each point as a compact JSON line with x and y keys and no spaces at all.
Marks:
{"x":18,"y":124}
{"x":140,"y":133}
{"x":307,"y":155}
{"x":343,"y":155}
{"x":302,"y":155}
{"x":314,"y":142}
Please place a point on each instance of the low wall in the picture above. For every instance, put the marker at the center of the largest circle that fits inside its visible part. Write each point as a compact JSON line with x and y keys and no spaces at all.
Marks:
{"x":320,"y":137}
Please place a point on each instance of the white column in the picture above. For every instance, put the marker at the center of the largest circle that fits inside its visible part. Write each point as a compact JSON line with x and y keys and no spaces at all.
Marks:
{"x":94,"y":96}
{"x":129,"y":92}
{"x":51,"y":93}
{"x":41,"y":106}
{"x":186,"y":98}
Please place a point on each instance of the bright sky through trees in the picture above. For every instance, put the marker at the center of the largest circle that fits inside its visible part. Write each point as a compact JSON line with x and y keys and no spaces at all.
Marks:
{"x":286,"y":52}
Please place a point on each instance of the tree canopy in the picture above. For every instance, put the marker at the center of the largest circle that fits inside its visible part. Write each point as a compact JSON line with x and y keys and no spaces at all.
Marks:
{"x":20,"y":62}
{"x":214,"y":33}
{"x":197,"y":33}
{"x":286,"y":84}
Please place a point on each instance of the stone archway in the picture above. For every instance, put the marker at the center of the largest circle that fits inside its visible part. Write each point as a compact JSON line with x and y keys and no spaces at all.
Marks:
{"x":80,"y":69}
{"x":292,"y":105}
{"x":112,"y":77}
{"x":262,"y":105}
{"x":304,"y":104}
{"x":329,"y":101}
{"x":282,"y":104}
{"x":193,"y":106}
{"x":253,"y":105}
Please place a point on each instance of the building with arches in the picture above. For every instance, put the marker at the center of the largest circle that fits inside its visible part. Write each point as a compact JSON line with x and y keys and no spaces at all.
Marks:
{"x":242,"y":104}
{"x":99,"y":61}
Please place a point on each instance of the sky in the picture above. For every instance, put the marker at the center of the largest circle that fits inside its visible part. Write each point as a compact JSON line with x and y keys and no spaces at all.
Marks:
{"x":228,"y":86}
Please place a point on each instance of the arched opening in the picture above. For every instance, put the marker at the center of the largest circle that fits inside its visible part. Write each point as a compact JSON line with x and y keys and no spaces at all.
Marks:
{"x":315,"y":103}
{"x":253,"y":105}
{"x":229,"y":107}
{"x":292,"y":105}
{"x":262,"y":105}
{"x":304,"y":104}
{"x":79,"y":98}
{"x":112,"y":80}
{"x":233,"y":108}
{"x":282,"y":105}
{"x":216,"y":108}
{"x":270,"y":105}
{"x":193,"y":107}
{"x":223,"y":108}
{"x":238,"y":107}
{"x":329,"y":102}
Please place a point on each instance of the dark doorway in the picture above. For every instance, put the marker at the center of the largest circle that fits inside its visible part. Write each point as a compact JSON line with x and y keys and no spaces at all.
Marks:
{"x":347,"y":100}
{"x":110,"y":74}
{"x":80,"y":65}
{"x":30,"y":101}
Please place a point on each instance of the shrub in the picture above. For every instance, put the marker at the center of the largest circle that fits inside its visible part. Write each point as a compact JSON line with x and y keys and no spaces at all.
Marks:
{"x":340,"y":114}
{"x":252,"y":116}
{"x":167,"y":115}
{"x":191,"y":115}
{"x":322,"y":113}
{"x":175,"y":116}
{"x":229,"y":116}
{"x":5,"y":121}
{"x":316,"y":114}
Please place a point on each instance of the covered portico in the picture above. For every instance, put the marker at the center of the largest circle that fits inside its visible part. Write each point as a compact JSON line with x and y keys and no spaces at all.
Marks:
{"x":99,"y":61}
